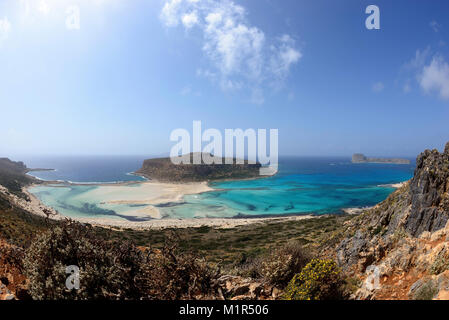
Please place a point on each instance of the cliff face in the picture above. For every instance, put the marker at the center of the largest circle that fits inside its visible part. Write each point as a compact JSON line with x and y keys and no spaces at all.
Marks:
{"x":164,"y":170}
{"x":405,"y":237}
{"x":429,"y":193}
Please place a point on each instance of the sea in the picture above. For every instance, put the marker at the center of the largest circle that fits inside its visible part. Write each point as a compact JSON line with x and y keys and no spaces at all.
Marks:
{"x":303,"y":185}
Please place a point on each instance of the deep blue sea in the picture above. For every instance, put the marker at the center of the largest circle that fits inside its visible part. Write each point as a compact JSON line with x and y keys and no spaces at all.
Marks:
{"x":303,"y":185}
{"x":87,"y":169}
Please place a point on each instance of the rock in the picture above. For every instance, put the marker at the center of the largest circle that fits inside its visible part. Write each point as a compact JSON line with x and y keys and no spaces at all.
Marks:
{"x":10,"y":297}
{"x":241,"y":289}
{"x":414,"y":288}
{"x":429,"y":205}
{"x":234,"y":286}
{"x":242,"y":297}
{"x":276,"y":293}
{"x":255,"y":289}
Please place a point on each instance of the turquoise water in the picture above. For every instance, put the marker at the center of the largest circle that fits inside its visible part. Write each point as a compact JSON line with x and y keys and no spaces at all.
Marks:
{"x":302,"y":186}
{"x":75,"y":201}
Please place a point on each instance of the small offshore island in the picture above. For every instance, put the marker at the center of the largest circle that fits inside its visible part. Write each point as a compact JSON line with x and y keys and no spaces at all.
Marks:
{"x":164,"y":170}
{"x":360,"y":158}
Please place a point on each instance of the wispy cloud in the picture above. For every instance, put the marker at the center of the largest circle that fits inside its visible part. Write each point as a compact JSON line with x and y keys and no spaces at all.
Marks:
{"x":435,"y":77}
{"x":430,"y":71}
{"x":5,"y":28}
{"x":435,"y":26}
{"x":378,"y":87}
{"x":240,"y":56}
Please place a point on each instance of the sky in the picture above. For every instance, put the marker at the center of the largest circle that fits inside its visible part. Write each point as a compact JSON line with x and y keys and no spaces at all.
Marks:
{"x":117,"y":77}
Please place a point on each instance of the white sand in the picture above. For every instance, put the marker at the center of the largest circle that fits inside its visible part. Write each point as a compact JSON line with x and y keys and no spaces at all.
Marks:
{"x":144,"y":194}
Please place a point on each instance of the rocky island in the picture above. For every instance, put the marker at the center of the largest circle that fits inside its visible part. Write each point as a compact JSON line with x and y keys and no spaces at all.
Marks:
{"x":164,"y":170}
{"x":360,"y":158}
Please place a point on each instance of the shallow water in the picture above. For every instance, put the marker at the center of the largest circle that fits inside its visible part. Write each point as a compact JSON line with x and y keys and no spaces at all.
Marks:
{"x":302,"y":186}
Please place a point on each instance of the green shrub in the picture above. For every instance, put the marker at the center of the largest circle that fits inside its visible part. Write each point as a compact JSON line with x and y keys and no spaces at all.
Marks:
{"x":426,"y":292}
{"x":440,"y":265}
{"x":318,"y":280}
{"x":282,"y":264}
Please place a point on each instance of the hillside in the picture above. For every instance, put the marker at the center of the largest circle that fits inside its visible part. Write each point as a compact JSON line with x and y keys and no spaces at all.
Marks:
{"x":162,"y":169}
{"x":405,"y":239}
{"x":13,"y":176}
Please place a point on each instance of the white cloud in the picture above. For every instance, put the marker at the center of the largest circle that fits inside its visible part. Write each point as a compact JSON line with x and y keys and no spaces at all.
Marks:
{"x":238,"y":52}
{"x":190,"y":19}
{"x":435,"y":77}
{"x":5,"y":28}
{"x":378,"y":87}
{"x":284,"y":56}
{"x":170,"y":12}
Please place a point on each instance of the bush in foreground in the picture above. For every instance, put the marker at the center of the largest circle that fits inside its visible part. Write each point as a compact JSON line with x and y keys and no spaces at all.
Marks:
{"x":282,"y":264}
{"x":107,"y":271}
{"x":110,"y":270}
{"x":173,"y":275}
{"x":318,"y":280}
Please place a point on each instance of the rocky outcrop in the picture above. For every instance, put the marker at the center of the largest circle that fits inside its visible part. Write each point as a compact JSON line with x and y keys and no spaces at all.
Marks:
{"x":405,"y":238}
{"x":164,"y":170}
{"x":238,"y":288}
{"x":429,"y":192}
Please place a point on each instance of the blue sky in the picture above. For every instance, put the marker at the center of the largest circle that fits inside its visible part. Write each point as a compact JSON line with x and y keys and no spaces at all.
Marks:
{"x":116,"y":76}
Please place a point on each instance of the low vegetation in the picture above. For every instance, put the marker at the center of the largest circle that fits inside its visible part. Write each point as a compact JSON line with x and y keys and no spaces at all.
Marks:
{"x":318,"y":280}
{"x":283,"y":263}
{"x":111,"y":270}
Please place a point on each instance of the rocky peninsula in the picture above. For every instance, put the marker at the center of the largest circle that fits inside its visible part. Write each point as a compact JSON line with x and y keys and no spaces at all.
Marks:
{"x":164,"y":170}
